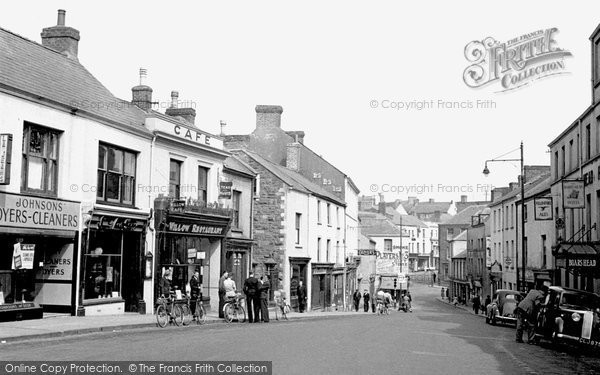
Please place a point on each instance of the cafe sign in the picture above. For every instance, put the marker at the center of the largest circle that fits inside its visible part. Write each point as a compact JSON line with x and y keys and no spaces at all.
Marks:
{"x":39,"y":213}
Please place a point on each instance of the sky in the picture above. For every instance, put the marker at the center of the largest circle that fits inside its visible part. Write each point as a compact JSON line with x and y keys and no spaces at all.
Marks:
{"x":337,"y":68}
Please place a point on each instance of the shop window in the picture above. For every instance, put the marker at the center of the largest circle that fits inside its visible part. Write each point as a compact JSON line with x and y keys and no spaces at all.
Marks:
{"x":203,"y":184}
{"x":116,"y":175}
{"x":235,"y":202}
{"x":103,"y":261}
{"x":40,"y":160}
{"x":387,"y":245}
{"x":175,"y":179}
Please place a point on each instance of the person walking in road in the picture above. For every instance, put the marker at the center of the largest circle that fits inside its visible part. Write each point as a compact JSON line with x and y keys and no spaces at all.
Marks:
{"x":434,"y":277}
{"x":252,"y":302}
{"x":264,"y":298}
{"x":356,"y":300}
{"x":526,"y":310}
{"x":487,"y":301}
{"x":448,"y":294}
{"x":301,"y":293}
{"x":366,"y":298}
{"x":476,"y":304}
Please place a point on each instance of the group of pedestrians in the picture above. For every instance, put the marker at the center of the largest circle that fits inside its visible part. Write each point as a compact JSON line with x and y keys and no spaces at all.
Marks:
{"x":366,"y":297}
{"x":257,"y":295}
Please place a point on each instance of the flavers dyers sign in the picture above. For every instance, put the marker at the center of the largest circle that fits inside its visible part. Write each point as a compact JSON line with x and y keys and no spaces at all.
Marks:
{"x":514,"y":63}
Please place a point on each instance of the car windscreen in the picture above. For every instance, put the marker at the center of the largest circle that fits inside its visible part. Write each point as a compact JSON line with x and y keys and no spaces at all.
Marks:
{"x":580,"y":300}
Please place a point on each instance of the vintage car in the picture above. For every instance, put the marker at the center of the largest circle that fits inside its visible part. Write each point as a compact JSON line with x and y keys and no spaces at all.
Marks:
{"x":502,"y":308}
{"x":569,"y":315}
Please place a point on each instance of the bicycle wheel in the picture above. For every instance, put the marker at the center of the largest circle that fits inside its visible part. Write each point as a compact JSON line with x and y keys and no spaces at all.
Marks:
{"x":187,"y":314}
{"x":177,"y":314}
{"x":228,"y":312}
{"x":200,"y":313}
{"x":277,"y":313}
{"x":286,"y":310}
{"x":162,"y":317}
{"x":240,"y":314}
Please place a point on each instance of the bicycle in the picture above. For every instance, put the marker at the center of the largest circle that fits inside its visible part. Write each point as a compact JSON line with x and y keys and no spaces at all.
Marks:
{"x":283,"y":308}
{"x":199,"y":315}
{"x":168,"y":311}
{"x":233,"y":309}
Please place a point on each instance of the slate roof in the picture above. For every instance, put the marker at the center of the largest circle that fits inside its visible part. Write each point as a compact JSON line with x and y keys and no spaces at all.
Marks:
{"x":30,"y":69}
{"x":529,"y":185}
{"x":405,"y":220}
{"x":374,"y":224}
{"x":236,"y":164}
{"x":464,"y":216}
{"x":294,"y":179}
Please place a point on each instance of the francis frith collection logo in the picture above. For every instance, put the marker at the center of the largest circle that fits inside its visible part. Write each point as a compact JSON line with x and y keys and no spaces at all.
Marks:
{"x":514,"y":63}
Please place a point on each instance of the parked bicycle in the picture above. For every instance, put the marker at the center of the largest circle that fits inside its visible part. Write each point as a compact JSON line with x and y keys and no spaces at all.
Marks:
{"x":233,"y":309}
{"x":199,"y":314}
{"x":167,"y":310}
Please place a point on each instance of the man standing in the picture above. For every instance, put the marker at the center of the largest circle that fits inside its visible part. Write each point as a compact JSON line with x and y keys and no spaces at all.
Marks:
{"x":195,"y":291}
{"x":251,"y":291}
{"x":434,"y":277}
{"x":264,"y":298}
{"x":301,"y":293}
{"x":356,"y":300}
{"x":525,"y":311}
{"x":366,"y":298}
{"x":476,"y":303}
{"x":222,"y":292}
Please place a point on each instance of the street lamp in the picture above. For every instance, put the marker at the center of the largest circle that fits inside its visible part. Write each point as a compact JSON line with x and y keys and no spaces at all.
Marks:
{"x":486,"y":172}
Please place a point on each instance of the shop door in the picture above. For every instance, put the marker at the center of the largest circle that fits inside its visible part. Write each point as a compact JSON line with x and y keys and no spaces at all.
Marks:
{"x":132,"y":287}
{"x":236,"y":263}
{"x":316,"y":298}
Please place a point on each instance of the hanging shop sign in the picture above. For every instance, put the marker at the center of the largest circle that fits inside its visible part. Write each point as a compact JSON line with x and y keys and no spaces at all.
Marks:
{"x":5,"y":156}
{"x":573,"y":192}
{"x":543,"y":208}
{"x":38,"y":213}
{"x":225,"y":188}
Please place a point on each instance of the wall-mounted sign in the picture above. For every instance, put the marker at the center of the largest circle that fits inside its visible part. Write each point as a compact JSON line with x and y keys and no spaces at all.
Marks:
{"x":39,"y":213}
{"x":543,"y":208}
{"x":367,"y":252}
{"x":582,"y":262}
{"x":225,"y":188}
{"x":573,"y":192}
{"x":5,"y":157}
{"x":108,"y":222}
{"x":198,"y":229}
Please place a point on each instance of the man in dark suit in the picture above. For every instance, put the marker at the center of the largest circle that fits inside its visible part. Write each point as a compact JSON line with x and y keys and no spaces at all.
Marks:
{"x":301,"y":293}
{"x":264,"y":298}
{"x":222,"y":293}
{"x":366,"y":298}
{"x":252,"y":298}
{"x":357,"y":297}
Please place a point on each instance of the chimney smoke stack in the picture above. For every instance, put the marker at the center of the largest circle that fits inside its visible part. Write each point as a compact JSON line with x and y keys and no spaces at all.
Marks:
{"x":61,"y":18}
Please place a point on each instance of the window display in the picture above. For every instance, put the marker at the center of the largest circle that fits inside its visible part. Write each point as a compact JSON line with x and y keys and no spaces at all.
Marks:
{"x":103,"y":266}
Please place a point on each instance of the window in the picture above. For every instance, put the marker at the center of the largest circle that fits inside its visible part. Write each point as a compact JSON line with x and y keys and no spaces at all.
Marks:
{"x":337,"y":217}
{"x":328,"y":250}
{"x":116,"y":175}
{"x":571,"y":164}
{"x":562,"y":161}
{"x":337,"y":251}
{"x":556,"y":165}
{"x":203,"y":184}
{"x":387,"y":245}
{"x":588,"y":142}
{"x":318,"y":212}
{"x":319,"y":249}
{"x":525,"y":214}
{"x":235,"y":206}
{"x":543,"y":251}
{"x":328,"y":214}
{"x":298,"y":219}
{"x":175,"y":179}
{"x":40,"y":160}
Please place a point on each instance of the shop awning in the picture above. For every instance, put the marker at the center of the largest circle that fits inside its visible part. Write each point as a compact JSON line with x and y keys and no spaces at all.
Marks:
{"x":583,"y":257}
{"x":570,"y":250}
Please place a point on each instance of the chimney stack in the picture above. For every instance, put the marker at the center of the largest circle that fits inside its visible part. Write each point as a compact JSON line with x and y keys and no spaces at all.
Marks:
{"x":61,"y":38}
{"x":268,"y":116}
{"x":463,"y":198}
{"x":431,"y":200}
{"x":292,"y":160}
{"x":142,"y":97}
{"x":188,"y":114}
{"x":381,"y":204}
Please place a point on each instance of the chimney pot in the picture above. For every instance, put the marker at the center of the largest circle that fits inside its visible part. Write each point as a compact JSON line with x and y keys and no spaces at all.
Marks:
{"x":463,"y":198}
{"x":61,"y":17}
{"x":431,"y":200}
{"x":174,"y":98}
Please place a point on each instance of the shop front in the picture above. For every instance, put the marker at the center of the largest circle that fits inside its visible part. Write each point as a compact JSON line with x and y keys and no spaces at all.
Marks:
{"x":578,"y":266}
{"x":113,"y":262}
{"x":38,"y":238}
{"x":298,"y":269}
{"x":189,"y":239}
{"x":237,"y":259}
{"x":321,"y":284}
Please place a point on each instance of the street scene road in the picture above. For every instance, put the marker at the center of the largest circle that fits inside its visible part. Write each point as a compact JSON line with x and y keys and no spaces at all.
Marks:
{"x":436,"y":338}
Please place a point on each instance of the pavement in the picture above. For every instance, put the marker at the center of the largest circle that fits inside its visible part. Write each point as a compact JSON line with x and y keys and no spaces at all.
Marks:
{"x":56,"y":326}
